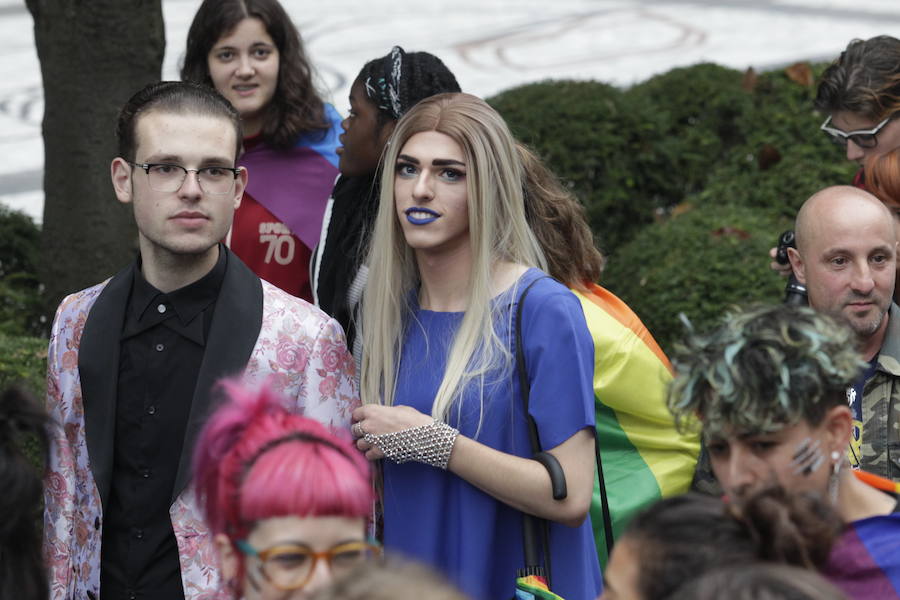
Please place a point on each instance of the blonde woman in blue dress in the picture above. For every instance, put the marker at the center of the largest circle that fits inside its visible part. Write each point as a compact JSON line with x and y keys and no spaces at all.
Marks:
{"x":450,"y":256}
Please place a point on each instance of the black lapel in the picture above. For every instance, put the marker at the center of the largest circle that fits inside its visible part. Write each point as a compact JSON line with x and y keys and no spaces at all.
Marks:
{"x":98,"y":368}
{"x":232,"y":335}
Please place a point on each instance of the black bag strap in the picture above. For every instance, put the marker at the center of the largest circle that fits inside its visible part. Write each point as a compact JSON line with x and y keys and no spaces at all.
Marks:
{"x":530,"y":524}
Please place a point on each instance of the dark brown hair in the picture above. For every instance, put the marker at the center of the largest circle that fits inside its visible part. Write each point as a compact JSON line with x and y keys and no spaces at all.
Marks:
{"x":558,"y":221}
{"x":864,"y":79}
{"x":760,"y":581}
{"x":177,"y":97}
{"x":684,"y":536}
{"x":296,"y":108}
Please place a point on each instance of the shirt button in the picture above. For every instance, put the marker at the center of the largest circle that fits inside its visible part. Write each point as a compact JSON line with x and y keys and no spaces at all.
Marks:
{"x":151,"y":410}
{"x":139,"y":534}
{"x":161,"y":308}
{"x":160,"y":347}
{"x":132,"y":596}
{"x":145,"y":473}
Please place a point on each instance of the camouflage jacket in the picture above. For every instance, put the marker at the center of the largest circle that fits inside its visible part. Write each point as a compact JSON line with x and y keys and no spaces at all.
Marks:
{"x":879,"y":448}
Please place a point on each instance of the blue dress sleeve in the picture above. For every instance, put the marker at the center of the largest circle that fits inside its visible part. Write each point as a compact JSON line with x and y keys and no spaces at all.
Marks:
{"x":559,"y":359}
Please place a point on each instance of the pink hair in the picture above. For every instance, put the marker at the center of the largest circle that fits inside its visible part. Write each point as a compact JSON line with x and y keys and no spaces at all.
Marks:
{"x":256,"y":460}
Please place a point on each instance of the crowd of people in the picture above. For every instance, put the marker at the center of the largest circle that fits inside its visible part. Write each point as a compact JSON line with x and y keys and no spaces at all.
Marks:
{"x":370,"y":357}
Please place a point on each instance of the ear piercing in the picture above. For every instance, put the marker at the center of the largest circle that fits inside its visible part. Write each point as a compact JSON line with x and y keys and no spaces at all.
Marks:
{"x":835,"y":472}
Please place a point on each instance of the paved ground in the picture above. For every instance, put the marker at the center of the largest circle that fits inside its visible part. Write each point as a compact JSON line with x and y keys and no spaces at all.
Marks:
{"x":491,"y":45}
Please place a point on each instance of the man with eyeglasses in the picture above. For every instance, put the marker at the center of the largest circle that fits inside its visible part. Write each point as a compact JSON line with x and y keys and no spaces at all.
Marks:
{"x":133,"y":361}
{"x":860,"y":93}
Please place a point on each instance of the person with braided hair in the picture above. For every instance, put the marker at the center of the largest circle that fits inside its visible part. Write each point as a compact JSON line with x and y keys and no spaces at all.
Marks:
{"x":768,"y":387}
{"x":251,"y":53}
{"x":384,"y":90}
{"x":22,"y":574}
{"x":285,"y":497}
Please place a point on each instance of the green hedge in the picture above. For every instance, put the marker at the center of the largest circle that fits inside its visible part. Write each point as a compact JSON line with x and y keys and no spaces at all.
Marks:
{"x":698,"y":264}
{"x":783,"y":158}
{"x":23,"y":361}
{"x":21,"y":310}
{"x":693,"y":111}
{"x":596,"y":142}
{"x":735,"y":151}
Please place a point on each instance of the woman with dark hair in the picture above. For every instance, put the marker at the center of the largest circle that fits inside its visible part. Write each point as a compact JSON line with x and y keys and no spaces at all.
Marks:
{"x":286,"y":498}
{"x":384,"y":90}
{"x":681,"y":538}
{"x":22,"y":573}
{"x":250,"y":51}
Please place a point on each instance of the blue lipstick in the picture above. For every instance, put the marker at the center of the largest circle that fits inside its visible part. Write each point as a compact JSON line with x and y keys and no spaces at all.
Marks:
{"x":414,"y":215}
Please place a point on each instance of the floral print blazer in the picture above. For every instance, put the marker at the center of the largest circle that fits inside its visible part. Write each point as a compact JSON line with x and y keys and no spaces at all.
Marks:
{"x":257,"y":331}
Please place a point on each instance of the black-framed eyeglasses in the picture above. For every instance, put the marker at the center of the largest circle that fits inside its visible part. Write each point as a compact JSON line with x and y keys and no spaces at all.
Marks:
{"x":864,"y":138}
{"x":291,"y":566}
{"x":168,"y":177}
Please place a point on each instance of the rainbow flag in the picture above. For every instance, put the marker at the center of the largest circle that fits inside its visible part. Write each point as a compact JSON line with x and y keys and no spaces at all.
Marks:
{"x":644,"y":457}
{"x":865,"y":560}
{"x":534,"y":587}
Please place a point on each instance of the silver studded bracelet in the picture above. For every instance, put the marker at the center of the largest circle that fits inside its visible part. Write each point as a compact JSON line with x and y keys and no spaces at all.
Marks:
{"x":429,"y":444}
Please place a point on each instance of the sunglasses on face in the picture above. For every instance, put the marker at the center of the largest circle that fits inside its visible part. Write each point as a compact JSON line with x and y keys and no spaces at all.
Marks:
{"x":864,"y":138}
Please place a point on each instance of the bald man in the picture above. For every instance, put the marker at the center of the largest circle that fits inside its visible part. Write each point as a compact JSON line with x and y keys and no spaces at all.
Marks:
{"x":847,"y":257}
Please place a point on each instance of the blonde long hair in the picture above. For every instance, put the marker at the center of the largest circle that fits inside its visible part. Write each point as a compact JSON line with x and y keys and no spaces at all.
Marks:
{"x":498,"y":231}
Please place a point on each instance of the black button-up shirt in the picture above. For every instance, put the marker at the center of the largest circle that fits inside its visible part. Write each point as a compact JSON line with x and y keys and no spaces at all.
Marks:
{"x":162,"y":345}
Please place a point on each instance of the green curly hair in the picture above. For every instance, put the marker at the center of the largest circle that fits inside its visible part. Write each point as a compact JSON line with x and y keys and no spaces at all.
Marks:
{"x":762,"y":369}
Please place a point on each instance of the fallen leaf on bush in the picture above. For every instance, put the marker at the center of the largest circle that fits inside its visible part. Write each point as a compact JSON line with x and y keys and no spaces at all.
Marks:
{"x":800,"y":73}
{"x":681,"y":208}
{"x":769,"y":156}
{"x":731,"y":231}
{"x":748,"y":82}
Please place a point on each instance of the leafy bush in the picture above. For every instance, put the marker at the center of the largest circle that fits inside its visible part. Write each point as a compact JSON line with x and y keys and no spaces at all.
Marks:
{"x":594,"y":141}
{"x":693,"y":110}
{"x":21,"y":310}
{"x":784,"y":158}
{"x":23,"y":362}
{"x":697,"y":263}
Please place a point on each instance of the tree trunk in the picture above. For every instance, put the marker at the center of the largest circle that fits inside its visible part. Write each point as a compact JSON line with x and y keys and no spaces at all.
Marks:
{"x":94,"y":55}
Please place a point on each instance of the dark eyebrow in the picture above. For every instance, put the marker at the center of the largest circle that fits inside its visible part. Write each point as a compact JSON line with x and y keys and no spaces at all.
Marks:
{"x":438,"y":162}
{"x":446,"y":162}
{"x":172,"y":159}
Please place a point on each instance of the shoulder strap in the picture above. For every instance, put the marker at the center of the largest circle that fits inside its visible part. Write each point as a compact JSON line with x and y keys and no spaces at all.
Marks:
{"x":557,"y":475}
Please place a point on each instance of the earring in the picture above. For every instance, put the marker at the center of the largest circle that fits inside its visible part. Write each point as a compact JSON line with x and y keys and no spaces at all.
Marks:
{"x":833,"y":478}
